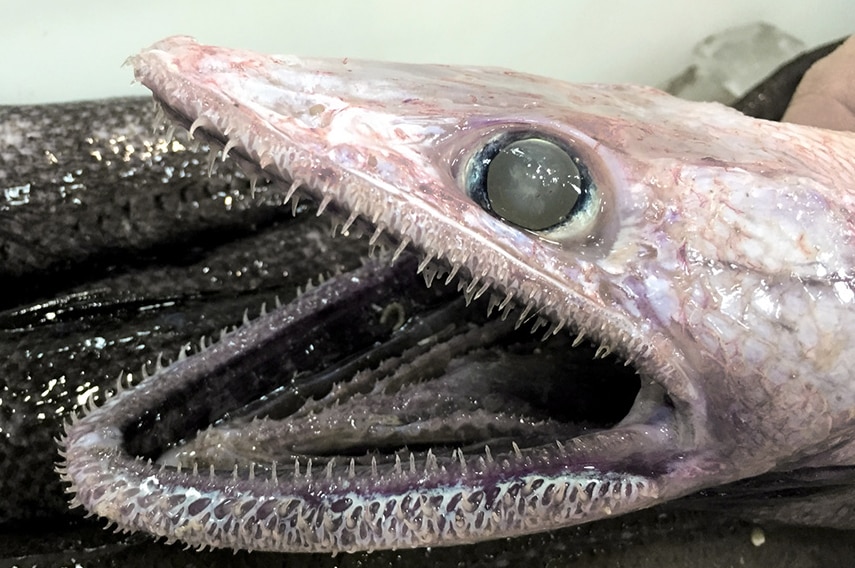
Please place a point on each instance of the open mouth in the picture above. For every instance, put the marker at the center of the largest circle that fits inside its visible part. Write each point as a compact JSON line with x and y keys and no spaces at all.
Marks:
{"x":374,"y":411}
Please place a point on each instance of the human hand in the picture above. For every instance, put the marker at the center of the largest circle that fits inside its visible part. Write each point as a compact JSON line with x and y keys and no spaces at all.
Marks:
{"x":826,"y":95}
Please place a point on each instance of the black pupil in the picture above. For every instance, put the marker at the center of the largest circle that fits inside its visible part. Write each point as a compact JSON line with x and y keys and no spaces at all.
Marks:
{"x":533,"y":183}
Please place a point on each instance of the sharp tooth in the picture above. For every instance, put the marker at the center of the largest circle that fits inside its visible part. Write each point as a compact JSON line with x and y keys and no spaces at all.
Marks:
{"x":462,"y":461}
{"x":579,"y":339}
{"x":506,"y":311}
{"x":506,"y":302}
{"x":295,"y":202}
{"x":429,"y":274}
{"x":227,"y":148}
{"x":377,"y":232}
{"x":423,"y":264}
{"x":159,"y":118}
{"x":524,"y":315}
{"x":484,"y":287}
{"x":494,"y":301}
{"x":170,"y":133}
{"x":350,"y":219}
{"x":470,"y":289}
{"x":454,"y":270}
{"x":196,"y":125}
{"x":295,"y":185}
{"x":324,"y":202}
{"x":212,"y":159}
{"x":468,"y":294}
{"x":430,"y":462}
{"x":404,"y":242}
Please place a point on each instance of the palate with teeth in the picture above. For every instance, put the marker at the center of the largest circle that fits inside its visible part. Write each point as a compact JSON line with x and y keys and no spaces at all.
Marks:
{"x":691,"y":268}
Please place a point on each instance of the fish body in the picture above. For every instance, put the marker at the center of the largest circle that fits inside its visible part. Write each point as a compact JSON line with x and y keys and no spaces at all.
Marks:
{"x":711,"y":252}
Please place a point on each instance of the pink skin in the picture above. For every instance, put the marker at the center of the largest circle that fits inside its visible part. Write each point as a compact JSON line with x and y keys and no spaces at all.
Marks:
{"x":719,"y":261}
{"x":826,"y":95}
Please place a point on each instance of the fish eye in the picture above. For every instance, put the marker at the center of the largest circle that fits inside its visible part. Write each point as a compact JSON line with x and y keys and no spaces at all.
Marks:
{"x":532,"y":182}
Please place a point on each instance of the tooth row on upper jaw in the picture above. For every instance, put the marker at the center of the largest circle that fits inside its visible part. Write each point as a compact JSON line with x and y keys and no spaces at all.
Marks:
{"x":438,"y":259}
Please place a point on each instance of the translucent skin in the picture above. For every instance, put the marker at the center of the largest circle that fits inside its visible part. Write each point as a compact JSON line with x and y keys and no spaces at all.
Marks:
{"x":720,"y":265}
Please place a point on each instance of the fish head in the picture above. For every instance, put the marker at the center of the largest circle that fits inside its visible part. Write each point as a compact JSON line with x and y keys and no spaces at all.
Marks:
{"x":710,"y":251}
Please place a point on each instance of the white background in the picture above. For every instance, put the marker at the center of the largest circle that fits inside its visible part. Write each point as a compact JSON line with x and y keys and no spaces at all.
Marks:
{"x":67,"y":50}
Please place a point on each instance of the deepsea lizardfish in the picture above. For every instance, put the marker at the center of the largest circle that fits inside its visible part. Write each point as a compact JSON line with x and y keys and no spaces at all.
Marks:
{"x":707,"y":257}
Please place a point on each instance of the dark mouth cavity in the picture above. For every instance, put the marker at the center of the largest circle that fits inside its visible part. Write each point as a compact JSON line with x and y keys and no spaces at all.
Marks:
{"x":431,"y":374}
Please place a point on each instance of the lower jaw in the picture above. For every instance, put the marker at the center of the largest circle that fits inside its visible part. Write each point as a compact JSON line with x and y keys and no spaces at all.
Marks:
{"x":476,"y":422}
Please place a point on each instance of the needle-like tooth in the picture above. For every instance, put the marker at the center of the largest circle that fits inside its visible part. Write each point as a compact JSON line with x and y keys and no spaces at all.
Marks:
{"x":378,"y":230}
{"x":212,"y":159}
{"x":199,"y":122}
{"x":506,"y":311}
{"x":295,"y":185}
{"x":228,"y":147}
{"x":494,"y":301}
{"x":404,"y":242}
{"x":429,"y":274}
{"x":159,"y":118}
{"x":349,"y":221}
{"x":603,"y":351}
{"x":324,"y":202}
{"x":508,"y":297}
{"x":423,"y":264}
{"x":579,"y":339}
{"x":454,"y":270}
{"x":484,"y":287}
{"x":470,"y":289}
{"x":524,"y":315}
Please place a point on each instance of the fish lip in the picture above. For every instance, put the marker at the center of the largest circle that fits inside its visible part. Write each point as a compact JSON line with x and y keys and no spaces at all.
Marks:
{"x":669,"y":462}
